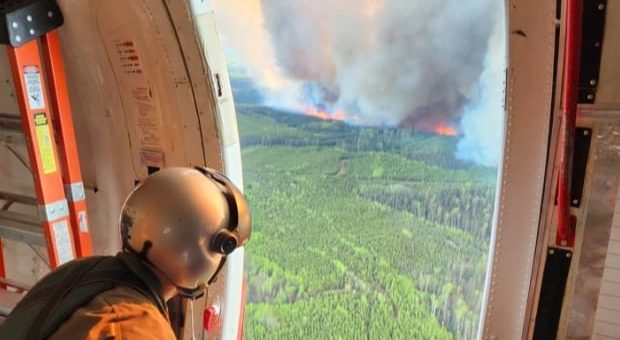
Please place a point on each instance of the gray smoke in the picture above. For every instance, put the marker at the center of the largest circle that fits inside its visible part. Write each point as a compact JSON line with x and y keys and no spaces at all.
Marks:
{"x":409,"y":63}
{"x":482,"y":123}
{"x":413,"y":63}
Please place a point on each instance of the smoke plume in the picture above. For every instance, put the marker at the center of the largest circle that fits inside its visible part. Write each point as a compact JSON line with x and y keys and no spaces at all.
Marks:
{"x":410,"y":63}
{"x":483,"y":118}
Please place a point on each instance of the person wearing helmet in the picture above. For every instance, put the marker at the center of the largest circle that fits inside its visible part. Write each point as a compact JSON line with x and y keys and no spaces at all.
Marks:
{"x":177,"y":229}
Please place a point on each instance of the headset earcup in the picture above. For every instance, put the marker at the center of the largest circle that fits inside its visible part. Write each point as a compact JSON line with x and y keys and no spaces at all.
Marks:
{"x":225,"y":242}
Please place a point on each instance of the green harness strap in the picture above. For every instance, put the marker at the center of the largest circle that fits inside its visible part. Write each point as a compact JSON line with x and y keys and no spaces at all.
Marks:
{"x":53,"y":300}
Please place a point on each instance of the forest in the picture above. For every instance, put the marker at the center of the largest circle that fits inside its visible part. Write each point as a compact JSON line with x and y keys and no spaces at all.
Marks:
{"x":360,"y":232}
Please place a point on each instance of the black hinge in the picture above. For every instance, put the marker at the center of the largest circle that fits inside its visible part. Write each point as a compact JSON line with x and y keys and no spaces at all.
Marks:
{"x":26,"y":20}
{"x":593,"y":28}
{"x":583,"y":139}
{"x":552,"y":290}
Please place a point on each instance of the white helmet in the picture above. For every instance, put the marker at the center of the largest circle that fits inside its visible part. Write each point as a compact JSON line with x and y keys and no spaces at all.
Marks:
{"x":184,"y":222}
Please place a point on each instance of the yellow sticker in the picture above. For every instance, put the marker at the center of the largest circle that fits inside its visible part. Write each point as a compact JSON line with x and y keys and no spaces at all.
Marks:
{"x":46,"y":148}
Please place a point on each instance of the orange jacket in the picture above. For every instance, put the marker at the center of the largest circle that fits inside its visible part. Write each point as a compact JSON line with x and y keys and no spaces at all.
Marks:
{"x":121,"y":313}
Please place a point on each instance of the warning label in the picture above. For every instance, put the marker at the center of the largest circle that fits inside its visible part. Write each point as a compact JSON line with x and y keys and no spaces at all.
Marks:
{"x":129,"y":57}
{"x":83,"y":222}
{"x":44,"y":141}
{"x":130,"y":65}
{"x":62,"y":238}
{"x":34,"y":89}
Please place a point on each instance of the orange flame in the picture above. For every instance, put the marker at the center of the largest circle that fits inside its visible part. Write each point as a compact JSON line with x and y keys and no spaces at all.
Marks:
{"x":337,"y":115}
{"x":443,"y":129}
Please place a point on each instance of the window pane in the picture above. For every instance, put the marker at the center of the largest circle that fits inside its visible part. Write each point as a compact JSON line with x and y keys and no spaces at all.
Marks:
{"x":371,"y":133}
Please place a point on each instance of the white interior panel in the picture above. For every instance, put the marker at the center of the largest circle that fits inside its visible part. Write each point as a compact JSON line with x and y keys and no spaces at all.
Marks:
{"x":608,"y":89}
{"x":528,"y":109}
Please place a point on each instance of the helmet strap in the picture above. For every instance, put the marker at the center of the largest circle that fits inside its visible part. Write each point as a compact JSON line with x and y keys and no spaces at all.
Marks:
{"x":191,"y":293}
{"x":217,"y":271}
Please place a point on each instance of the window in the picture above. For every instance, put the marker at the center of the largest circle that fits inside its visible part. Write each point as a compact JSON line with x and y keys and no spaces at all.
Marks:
{"x":371,"y":132}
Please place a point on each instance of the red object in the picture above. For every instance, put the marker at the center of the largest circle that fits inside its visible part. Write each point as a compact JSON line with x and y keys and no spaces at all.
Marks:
{"x":242,"y":312}
{"x":67,"y":144}
{"x":565,"y":230}
{"x":209,"y":318}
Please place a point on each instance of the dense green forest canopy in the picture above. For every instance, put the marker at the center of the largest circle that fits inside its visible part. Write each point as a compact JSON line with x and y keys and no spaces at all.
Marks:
{"x":360,"y":232}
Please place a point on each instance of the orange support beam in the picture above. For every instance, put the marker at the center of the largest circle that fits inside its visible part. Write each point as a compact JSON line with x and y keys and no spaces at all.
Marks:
{"x":38,"y":130}
{"x":67,"y":145}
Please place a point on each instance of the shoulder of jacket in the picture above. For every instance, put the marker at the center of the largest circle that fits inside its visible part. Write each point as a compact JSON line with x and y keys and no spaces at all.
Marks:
{"x":123,"y":295}
{"x":121,"y":312}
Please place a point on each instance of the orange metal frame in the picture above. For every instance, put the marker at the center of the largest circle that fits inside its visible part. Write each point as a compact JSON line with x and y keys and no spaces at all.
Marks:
{"x":67,"y":145}
{"x":39,"y":132}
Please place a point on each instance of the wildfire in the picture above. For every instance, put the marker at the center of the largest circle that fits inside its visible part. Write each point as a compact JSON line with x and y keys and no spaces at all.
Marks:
{"x":337,"y":115}
{"x":443,"y":129}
